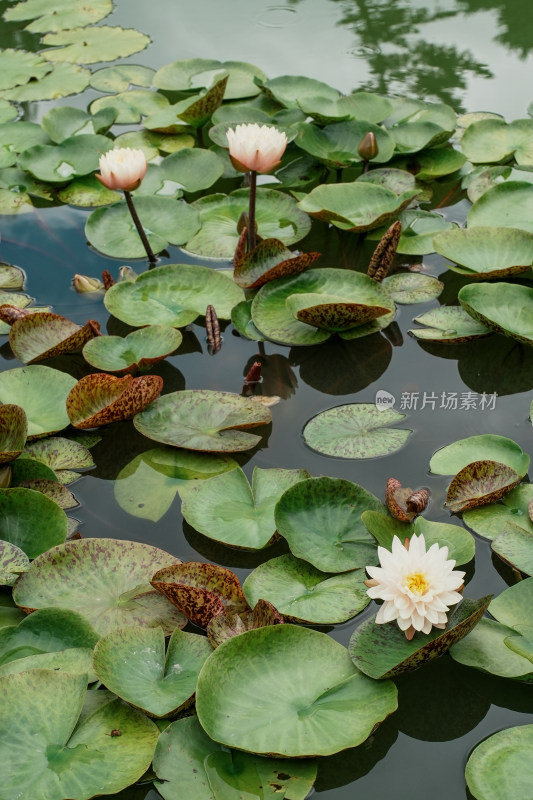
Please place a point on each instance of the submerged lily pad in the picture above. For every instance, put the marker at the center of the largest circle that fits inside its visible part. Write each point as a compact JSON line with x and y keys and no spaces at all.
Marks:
{"x":492,"y":520}
{"x":515,"y":545}
{"x":13,"y":431}
{"x":449,"y":325}
{"x":487,"y":252}
{"x":356,"y":430}
{"x":203,"y":420}
{"x":105,"y":580}
{"x":333,"y":706}
{"x":454,"y":457}
{"x":503,"y":307}
{"x":479,"y":483}
{"x":100,"y":399}
{"x":43,"y":335}
{"x":13,"y":561}
{"x":501,"y":765}
{"x":139,"y":350}
{"x":413,"y":287}
{"x":42,"y":392}
{"x":93,"y":44}
{"x":30,"y":520}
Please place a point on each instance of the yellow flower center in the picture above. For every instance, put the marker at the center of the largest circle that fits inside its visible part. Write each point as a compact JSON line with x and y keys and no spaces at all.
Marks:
{"x":417,"y":583}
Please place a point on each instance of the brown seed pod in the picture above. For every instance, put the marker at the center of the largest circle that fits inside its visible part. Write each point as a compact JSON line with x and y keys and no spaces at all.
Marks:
{"x":384,"y":253}
{"x":418,"y":501}
{"x":254,"y":373}
{"x":107,"y":279}
{"x":240,"y":250}
{"x":212,"y":326}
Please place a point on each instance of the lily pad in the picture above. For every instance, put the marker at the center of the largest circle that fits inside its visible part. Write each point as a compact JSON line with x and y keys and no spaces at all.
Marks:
{"x":333,"y":312}
{"x":105,"y":580}
{"x":17,"y":67}
{"x":503,"y":307}
{"x":62,"y":80}
{"x":13,"y":561}
{"x":486,"y":648}
{"x":139,"y":350}
{"x":507,"y":205}
{"x":204,"y":420}
{"x":13,"y":431}
{"x":492,"y":141}
{"x":89,"y":45}
{"x":479,"y":483}
{"x":321,"y":520}
{"x":196,"y":73}
{"x":121,"y":77}
{"x":382,"y":651}
{"x":100,"y":399}
{"x":454,"y":457}
{"x":361,"y":105}
{"x":501,"y":764}
{"x":62,"y":122}
{"x":64,"y":15}
{"x":226,"y":508}
{"x":487,"y":252}
{"x":461,"y":544}
{"x":303,"y":593}
{"x":53,"y":490}
{"x":335,"y":145}
{"x":332,"y":705}
{"x":428,"y":165}
{"x":449,"y":325}
{"x":492,"y":520}
{"x":77,"y":660}
{"x":130,"y":106}
{"x":195,"y":110}
{"x":241,"y":316}
{"x":16,"y":137}
{"x":60,"y":454}
{"x":291,"y":90}
{"x":43,"y":335}
{"x":515,"y":545}
{"x":413,"y":287}
{"x":49,"y":630}
{"x":59,"y":163}
{"x":42,"y":392}
{"x":269,"y":260}
{"x":356,"y":430}
{"x":411,"y":137}
{"x":132,"y":663}
{"x":11,"y":277}
{"x":233,"y":623}
{"x":418,"y":230}
{"x":87,"y":192}
{"x":31,"y":521}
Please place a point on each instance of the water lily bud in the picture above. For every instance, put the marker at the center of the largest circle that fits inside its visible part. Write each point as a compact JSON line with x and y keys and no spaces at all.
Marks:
{"x":122,"y":168}
{"x":84,"y":284}
{"x":368,"y":147}
{"x":256,"y":147}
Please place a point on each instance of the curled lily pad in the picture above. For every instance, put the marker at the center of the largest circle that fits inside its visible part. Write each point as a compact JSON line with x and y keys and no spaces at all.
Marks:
{"x":454,"y":457}
{"x":13,"y":561}
{"x":501,"y":765}
{"x":200,"y":591}
{"x":225,"y":626}
{"x":492,"y":520}
{"x":105,"y":580}
{"x":515,"y":545}
{"x":195,"y":73}
{"x":356,"y":430}
{"x":321,"y":520}
{"x":226,"y":508}
{"x":41,"y":392}
{"x":174,"y":294}
{"x":195,"y":110}
{"x":303,"y":593}
{"x":487,"y":648}
{"x":333,"y":312}
{"x":479,"y":483}
{"x":84,"y":45}
{"x":139,"y":350}
{"x":269,"y":260}
{"x":13,"y":431}
{"x":333,"y":145}
{"x":49,"y":630}
{"x":100,"y":399}
{"x":449,"y":325}
{"x":132,"y":663}
{"x":487,"y":252}
{"x":382,"y":651}
{"x":413,"y":136}
{"x":39,"y":336}
{"x":17,"y":300}
{"x":11,"y":277}
{"x":503,"y":307}
{"x":60,"y":454}
{"x":413,"y":287}
{"x":59,"y":163}
{"x":199,"y":419}
{"x":31,"y":521}
{"x":332,"y":705}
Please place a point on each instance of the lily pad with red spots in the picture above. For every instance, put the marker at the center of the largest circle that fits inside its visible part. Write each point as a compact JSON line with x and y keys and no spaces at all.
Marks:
{"x":270,"y":259}
{"x":13,"y":561}
{"x":13,"y":431}
{"x":479,"y":483}
{"x":43,"y":335}
{"x":139,"y":350}
{"x":62,"y":455}
{"x":515,"y":546}
{"x":100,"y":399}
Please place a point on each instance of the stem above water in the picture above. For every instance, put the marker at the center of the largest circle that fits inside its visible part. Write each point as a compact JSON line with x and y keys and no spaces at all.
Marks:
{"x":251,"y":211}
{"x":140,"y":229}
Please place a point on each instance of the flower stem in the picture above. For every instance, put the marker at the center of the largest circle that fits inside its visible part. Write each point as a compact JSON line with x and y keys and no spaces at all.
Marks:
{"x":251,"y":211}
{"x":140,"y":229}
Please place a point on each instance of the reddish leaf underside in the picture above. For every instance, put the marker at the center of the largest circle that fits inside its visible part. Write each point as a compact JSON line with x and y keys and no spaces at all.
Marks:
{"x":99,"y":399}
{"x":480,"y":483}
{"x":43,"y":335}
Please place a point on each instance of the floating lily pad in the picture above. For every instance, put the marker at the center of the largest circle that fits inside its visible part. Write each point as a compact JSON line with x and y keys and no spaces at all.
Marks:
{"x":13,"y":431}
{"x":64,"y":15}
{"x":147,"y":486}
{"x":291,"y":90}
{"x":226,"y":508}
{"x":187,"y":762}
{"x":321,"y":520}
{"x":11,"y":277}
{"x":203,"y":420}
{"x":356,"y":430}
{"x":411,"y":137}
{"x":515,"y":545}
{"x":17,"y":67}
{"x":492,"y":141}
{"x":225,"y":626}
{"x":87,"y":192}
{"x":31,"y":521}
{"x":121,"y":77}
{"x":450,"y":325}
{"x":269,"y":260}
{"x":195,"y":73}
{"x":8,"y":111}
{"x":361,"y":105}
{"x":49,"y":630}
{"x":28,"y":468}
{"x":487,"y":252}
{"x":62,"y":122}
{"x":9,"y":613}
{"x":507,"y":205}
{"x":382,"y":651}
{"x":427,"y":165}
{"x":53,"y":490}
{"x":13,"y":561}
{"x":479,"y":483}
{"x":62,"y":80}
{"x":413,"y":287}
{"x":355,"y":206}
{"x":139,"y":350}
{"x":335,"y":145}
{"x":492,"y":520}
{"x":68,"y":734}
{"x":418,"y":230}
{"x":501,"y":764}
{"x":43,"y":335}
{"x":503,"y":307}
{"x":486,"y":649}
{"x":454,"y":457}
{"x":61,"y":455}
{"x":100,"y":399}
{"x":483,"y":178}
{"x":93,"y":44}
{"x":132,"y":663}
{"x":241,"y":316}
{"x":130,"y":106}
{"x":77,"y":660}
{"x":303,"y":593}
{"x":77,"y":155}
{"x":332,"y":705}
{"x":461,"y":544}
{"x":16,"y":137}
{"x":42,"y":392}
{"x":105,"y":580}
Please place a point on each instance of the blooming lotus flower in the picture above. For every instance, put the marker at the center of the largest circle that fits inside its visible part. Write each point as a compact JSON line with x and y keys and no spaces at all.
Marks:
{"x":256,"y":148}
{"x":122,"y":168}
{"x":417,"y":587}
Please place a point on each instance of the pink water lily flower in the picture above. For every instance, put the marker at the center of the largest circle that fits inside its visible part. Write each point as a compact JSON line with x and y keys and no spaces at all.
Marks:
{"x":417,"y":587}
{"x":122,"y":168}
{"x":256,"y":148}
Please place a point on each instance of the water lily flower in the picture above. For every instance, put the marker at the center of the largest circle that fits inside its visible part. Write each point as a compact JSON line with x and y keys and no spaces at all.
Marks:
{"x":417,"y":587}
{"x":122,"y":168}
{"x":256,"y":148}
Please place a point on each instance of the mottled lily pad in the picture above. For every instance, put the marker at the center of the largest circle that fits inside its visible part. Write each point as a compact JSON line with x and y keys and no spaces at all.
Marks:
{"x":132,"y":663}
{"x":13,"y":561}
{"x":479,"y":483}
{"x":515,"y":545}
{"x":105,"y":580}
{"x":333,"y":706}
{"x":42,"y":392}
{"x":333,"y":312}
{"x":501,"y":764}
{"x":77,"y":660}
{"x":138,"y":350}
{"x":100,"y":399}
{"x":59,"y":163}
{"x":93,"y":44}
{"x":53,"y":490}
{"x":492,"y":520}
{"x":31,"y":521}
{"x":196,"y":73}
{"x":454,"y":457}
{"x":203,"y":420}
{"x":11,"y":277}
{"x":64,"y":15}
{"x":449,"y":325}
{"x":269,"y":260}
{"x":13,"y":431}
{"x":63,"y":456}
{"x":503,"y":307}
{"x":43,"y":335}
{"x":225,"y":626}
{"x":195,"y":110}
{"x":356,"y":430}
{"x":487,"y":252}
{"x":413,"y":287}
{"x":335,"y":145}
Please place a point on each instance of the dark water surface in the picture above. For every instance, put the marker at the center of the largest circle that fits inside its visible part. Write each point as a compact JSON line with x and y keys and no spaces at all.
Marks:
{"x":473,"y":54}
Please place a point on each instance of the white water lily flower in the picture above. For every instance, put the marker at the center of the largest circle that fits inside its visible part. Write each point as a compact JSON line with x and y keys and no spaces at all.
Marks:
{"x":256,"y":147}
{"x":417,"y":587}
{"x":122,"y":168}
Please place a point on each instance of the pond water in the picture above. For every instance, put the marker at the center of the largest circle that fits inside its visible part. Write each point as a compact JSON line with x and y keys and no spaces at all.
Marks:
{"x":471,"y":54}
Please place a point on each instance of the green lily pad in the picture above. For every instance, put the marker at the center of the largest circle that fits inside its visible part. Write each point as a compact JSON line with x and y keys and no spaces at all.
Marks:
{"x":204,"y":420}
{"x":89,"y":45}
{"x":355,"y":206}
{"x":13,"y":561}
{"x":13,"y":431}
{"x":487,"y":252}
{"x":42,"y":392}
{"x":64,"y":15}
{"x":77,"y":660}
{"x":486,"y":649}
{"x":241,"y":316}
{"x":226,"y":508}
{"x":11,"y":277}
{"x":105,"y":580}
{"x":411,"y":137}
{"x":31,"y":521}
{"x":413,"y":287}
{"x":195,"y":110}
{"x":303,"y":593}
{"x":100,"y":399}
{"x":187,"y":762}
{"x":87,"y":192}
{"x":291,"y":90}
{"x":450,"y":325}
{"x":501,"y":764}
{"x":147,"y":486}
{"x":196,"y":73}
{"x":483,"y":178}
{"x":9,"y":613}
{"x":479,"y":483}
{"x":513,"y":606}
{"x":427,"y":165}
{"x":27,"y":468}
{"x":418,"y":231}
{"x":507,"y":205}
{"x":333,"y":145}
{"x":112,"y":231}
{"x":62,"y":80}
{"x":503,"y":307}
{"x":397,"y":180}
{"x":331,"y":705}
{"x":174,"y":294}
{"x":461,"y":544}
{"x":269,"y":260}
{"x":17,"y":67}
{"x":62,"y":122}
{"x":77,"y":155}
{"x":8,"y":111}
{"x":361,"y":105}
{"x":121,"y":77}
{"x":132,"y":663}
{"x":321,"y":520}
{"x":16,"y":137}
{"x":130,"y":106}
{"x":492,"y":520}
{"x":492,"y":141}
{"x":454,"y":457}
{"x":139,"y":350}
{"x":355,"y":430}
{"x":70,"y":755}
{"x":49,"y":630}
{"x":43,"y":335}
{"x":382,"y":651}
{"x":277,"y":217}
{"x":192,"y":169}
{"x":53,"y":490}
{"x":515,"y":545}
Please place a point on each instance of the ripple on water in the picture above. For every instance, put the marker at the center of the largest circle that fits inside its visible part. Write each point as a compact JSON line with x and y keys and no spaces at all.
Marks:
{"x":277,"y":17}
